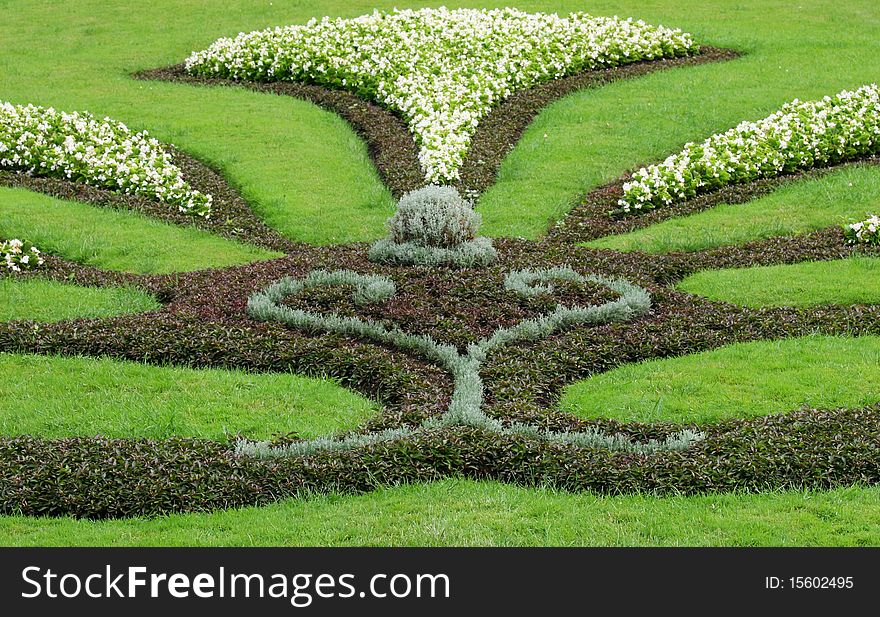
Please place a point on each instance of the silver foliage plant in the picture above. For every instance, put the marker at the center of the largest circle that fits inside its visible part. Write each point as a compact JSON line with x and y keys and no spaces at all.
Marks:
{"x":434,"y":216}
{"x":434,"y":225}
{"x":368,"y":288}
{"x":476,"y":253}
{"x":528,"y":283}
{"x":465,"y":408}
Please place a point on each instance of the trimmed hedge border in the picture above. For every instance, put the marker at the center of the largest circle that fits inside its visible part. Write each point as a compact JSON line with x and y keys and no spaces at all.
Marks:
{"x":99,"y":478}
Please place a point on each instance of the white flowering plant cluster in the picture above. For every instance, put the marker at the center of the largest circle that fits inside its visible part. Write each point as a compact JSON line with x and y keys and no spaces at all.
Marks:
{"x":865,"y":232}
{"x":441,"y":69}
{"x":105,"y":153}
{"x":800,"y":135}
{"x":17,"y":255}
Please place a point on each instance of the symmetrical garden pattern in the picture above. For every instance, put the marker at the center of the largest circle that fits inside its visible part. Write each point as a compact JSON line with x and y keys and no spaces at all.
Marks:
{"x":467,"y":359}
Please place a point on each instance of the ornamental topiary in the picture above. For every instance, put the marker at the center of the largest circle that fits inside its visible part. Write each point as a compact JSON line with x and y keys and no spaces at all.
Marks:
{"x":434,"y":225}
{"x":434,"y":216}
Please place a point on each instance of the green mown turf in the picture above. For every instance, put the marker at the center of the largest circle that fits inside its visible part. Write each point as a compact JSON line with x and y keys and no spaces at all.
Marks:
{"x":115,"y":239}
{"x":806,"y":51}
{"x":846,"y":281}
{"x":309,"y":175}
{"x":43,"y":300}
{"x":736,"y":381}
{"x":61,"y":396}
{"x":465,"y":513}
{"x":843,"y":196}
{"x":304,"y":169}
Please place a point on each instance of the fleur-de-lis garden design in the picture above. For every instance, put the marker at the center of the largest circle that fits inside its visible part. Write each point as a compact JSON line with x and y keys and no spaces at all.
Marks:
{"x":481,"y":406}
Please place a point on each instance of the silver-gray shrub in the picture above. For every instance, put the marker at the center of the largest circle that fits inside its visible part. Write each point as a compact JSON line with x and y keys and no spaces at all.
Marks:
{"x":616,"y":442}
{"x":523,"y":282}
{"x":478,"y":252}
{"x":368,"y":288}
{"x":265,"y":449}
{"x":434,"y":216}
{"x":434,"y":226}
{"x":465,"y":408}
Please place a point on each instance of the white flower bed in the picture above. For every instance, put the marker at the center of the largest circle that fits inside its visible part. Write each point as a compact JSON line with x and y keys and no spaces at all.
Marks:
{"x":800,"y":135}
{"x":78,"y":146}
{"x":867,"y":231}
{"x":441,"y":69}
{"x":17,"y":257}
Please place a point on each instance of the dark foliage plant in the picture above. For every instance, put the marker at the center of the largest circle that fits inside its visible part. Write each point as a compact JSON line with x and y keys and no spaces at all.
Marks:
{"x":204,"y":323}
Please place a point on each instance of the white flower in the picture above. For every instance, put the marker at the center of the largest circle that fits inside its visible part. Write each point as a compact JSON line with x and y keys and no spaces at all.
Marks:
{"x":442,"y":70}
{"x":42,"y":141}
{"x":800,"y":135}
{"x":17,"y":260}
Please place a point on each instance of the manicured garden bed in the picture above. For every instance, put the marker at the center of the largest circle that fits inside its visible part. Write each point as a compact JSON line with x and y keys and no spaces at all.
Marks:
{"x":517,"y":365}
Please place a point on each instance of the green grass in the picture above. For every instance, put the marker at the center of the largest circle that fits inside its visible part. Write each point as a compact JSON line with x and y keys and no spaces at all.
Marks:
{"x":466,"y":513}
{"x":65,"y":396}
{"x":304,"y":169}
{"x":44,"y":300}
{"x":736,"y":381}
{"x":115,"y":239}
{"x":592,"y":137}
{"x":843,"y":196}
{"x":309,"y":175}
{"x":846,"y":281}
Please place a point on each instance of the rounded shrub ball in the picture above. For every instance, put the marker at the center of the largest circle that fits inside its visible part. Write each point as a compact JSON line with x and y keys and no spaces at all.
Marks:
{"x":435,"y":216}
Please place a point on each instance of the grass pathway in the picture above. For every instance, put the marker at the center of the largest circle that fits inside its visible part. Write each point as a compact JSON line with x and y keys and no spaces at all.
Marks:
{"x":844,"y":281}
{"x":44,"y":300}
{"x":843,"y":196}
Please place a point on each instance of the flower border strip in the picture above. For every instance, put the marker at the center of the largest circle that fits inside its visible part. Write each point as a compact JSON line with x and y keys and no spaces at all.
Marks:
{"x":42,"y":141}
{"x":384,"y":57}
{"x":800,"y":135}
{"x":465,"y":408}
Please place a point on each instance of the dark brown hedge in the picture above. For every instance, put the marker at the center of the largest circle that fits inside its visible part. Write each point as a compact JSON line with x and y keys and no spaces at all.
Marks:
{"x":99,"y":478}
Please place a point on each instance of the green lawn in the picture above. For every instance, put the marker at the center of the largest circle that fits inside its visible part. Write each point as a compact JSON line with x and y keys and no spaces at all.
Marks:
{"x":807,"y":51}
{"x":844,"y":196}
{"x":61,"y":397}
{"x":309,"y":175}
{"x":115,"y":239}
{"x":735,"y":381}
{"x":845,"y":281}
{"x":43,"y":300}
{"x":466,"y":513}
